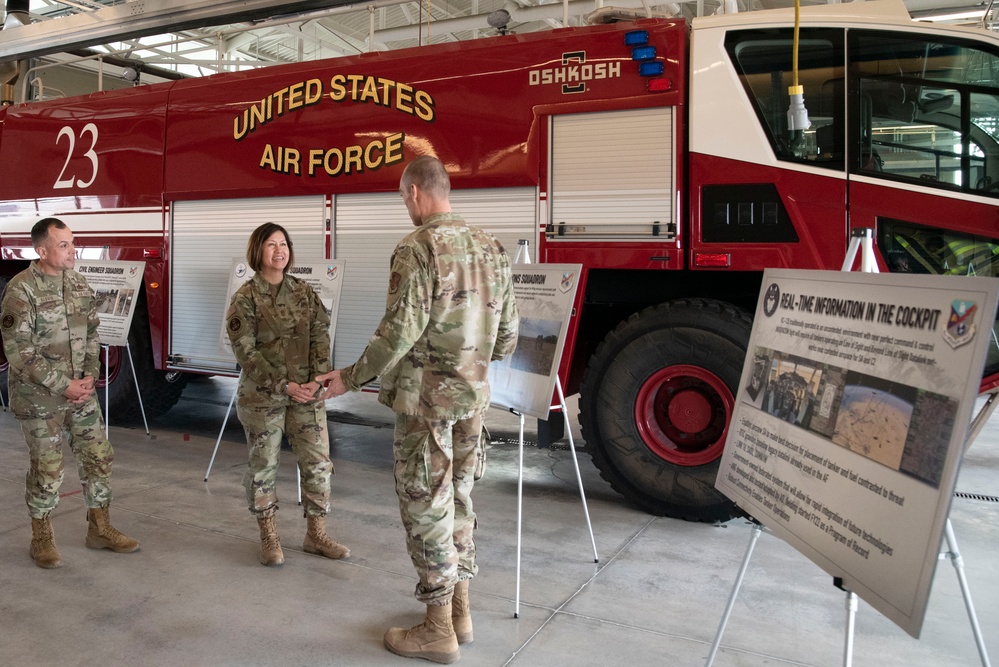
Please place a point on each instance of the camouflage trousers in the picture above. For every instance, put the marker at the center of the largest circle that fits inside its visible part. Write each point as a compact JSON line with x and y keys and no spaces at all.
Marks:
{"x":435,"y":462}
{"x":305,"y":426}
{"x":89,"y":444}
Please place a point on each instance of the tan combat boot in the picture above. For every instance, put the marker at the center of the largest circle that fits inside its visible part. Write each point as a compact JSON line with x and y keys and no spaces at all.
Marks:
{"x":102,"y":535}
{"x":432,"y":640}
{"x":317,"y":541}
{"x":43,"y":549}
{"x":461,"y":613}
{"x":270,"y":544}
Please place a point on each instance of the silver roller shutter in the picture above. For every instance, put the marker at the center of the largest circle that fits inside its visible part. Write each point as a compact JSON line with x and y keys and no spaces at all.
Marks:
{"x":205,"y":237}
{"x":367,"y":229}
{"x":612,"y":175}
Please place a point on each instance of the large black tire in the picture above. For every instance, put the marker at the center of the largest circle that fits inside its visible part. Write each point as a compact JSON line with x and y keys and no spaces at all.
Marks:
{"x":656,"y":401}
{"x":160,"y":389}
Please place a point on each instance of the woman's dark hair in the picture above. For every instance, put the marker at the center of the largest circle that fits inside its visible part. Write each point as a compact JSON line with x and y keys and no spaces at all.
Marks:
{"x":255,"y":246}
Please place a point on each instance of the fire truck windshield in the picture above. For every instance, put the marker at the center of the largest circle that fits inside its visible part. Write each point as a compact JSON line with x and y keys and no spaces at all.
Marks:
{"x":909,"y":248}
{"x":910,"y":107}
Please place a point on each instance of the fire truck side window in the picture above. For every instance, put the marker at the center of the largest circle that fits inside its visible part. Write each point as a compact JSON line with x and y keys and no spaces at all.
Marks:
{"x":909,"y":248}
{"x":763,"y":58}
{"x":928,"y":111}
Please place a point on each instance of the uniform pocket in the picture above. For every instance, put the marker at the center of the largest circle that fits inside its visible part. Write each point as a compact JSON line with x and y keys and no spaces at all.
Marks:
{"x":480,"y":455}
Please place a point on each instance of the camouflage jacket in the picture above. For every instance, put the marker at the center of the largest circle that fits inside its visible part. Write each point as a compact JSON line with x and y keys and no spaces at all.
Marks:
{"x":49,"y":326}
{"x":450,"y":311}
{"x":279,"y":333}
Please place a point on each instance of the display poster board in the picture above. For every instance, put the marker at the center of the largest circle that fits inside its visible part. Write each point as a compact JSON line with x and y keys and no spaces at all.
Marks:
{"x":116,"y":286}
{"x":525,"y":380}
{"x":326,"y":278}
{"x":850,"y":421}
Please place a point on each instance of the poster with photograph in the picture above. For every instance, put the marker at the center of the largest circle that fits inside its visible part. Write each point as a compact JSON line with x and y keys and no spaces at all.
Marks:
{"x":850,"y":421}
{"x":116,"y":286}
{"x":525,"y":380}
{"x":326,"y":278}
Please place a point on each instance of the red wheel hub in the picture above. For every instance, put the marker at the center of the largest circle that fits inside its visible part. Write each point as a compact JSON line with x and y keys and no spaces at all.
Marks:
{"x":682,"y":413}
{"x":112,"y":361}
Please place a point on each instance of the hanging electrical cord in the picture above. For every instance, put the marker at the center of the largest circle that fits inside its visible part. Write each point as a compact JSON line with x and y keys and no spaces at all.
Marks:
{"x":428,"y":23}
{"x":797,"y":114}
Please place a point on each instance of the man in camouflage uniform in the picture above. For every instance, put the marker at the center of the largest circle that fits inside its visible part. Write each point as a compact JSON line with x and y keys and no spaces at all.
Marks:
{"x":49,"y":323}
{"x":450,"y":311}
{"x":279,"y":330}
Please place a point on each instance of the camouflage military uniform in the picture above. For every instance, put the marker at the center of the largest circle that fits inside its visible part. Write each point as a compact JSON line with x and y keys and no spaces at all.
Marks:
{"x":281,"y":334}
{"x":450,"y":311}
{"x":49,"y":326}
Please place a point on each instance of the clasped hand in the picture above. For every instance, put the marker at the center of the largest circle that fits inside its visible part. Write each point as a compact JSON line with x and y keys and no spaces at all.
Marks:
{"x":79,"y":391}
{"x":302,"y":393}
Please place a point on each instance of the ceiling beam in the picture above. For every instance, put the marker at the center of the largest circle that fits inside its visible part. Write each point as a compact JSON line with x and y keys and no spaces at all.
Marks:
{"x":138,"y":19}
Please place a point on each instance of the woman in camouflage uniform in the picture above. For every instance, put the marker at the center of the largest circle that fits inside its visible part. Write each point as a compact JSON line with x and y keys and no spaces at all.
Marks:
{"x":279,"y":331}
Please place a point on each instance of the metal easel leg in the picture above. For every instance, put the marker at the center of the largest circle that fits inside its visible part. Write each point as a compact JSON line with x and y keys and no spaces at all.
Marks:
{"x":757,"y":531}
{"x":107,"y":385}
{"x":520,"y":511}
{"x":575,"y":463}
{"x":222,"y":430}
{"x":138,"y":393}
{"x":955,"y":558}
{"x":851,"y":622}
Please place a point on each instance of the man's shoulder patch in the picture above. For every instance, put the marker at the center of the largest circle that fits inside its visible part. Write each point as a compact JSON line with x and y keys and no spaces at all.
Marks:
{"x":8,"y":321}
{"x":235,"y":324}
{"x":394,"y":280}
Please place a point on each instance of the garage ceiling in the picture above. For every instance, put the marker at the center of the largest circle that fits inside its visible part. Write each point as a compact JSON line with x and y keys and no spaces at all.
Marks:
{"x":201,"y":37}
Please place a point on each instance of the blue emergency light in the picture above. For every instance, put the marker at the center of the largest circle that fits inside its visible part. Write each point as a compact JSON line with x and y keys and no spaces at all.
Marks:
{"x":651,"y":68}
{"x":636,"y":37}
{"x":643,"y":53}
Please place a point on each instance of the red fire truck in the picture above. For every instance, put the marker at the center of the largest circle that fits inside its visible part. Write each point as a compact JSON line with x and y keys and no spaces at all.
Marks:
{"x":655,"y":153}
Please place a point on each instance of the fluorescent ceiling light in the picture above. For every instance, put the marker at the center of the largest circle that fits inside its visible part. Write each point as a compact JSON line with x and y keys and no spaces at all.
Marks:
{"x":956,"y":16}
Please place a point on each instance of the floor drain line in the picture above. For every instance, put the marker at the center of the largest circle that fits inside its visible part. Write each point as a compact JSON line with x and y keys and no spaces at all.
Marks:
{"x":976,"y":496}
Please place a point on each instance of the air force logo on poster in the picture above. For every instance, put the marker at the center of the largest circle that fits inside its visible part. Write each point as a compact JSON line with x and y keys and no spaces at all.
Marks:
{"x":961,"y":325}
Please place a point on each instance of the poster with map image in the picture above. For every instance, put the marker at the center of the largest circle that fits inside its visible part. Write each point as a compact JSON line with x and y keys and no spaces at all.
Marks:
{"x":525,"y":381}
{"x":899,"y":426}
{"x":851,"y":418}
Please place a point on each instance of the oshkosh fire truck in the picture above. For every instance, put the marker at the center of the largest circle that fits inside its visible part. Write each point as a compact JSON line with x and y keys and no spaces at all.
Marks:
{"x":657,"y":154}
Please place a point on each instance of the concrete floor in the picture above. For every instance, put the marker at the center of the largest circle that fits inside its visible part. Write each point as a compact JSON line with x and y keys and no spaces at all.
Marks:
{"x":195,"y":595}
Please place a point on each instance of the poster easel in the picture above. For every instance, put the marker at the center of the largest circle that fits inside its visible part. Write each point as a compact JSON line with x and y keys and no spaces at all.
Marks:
{"x":522,"y":251}
{"x":116,"y":286}
{"x":218,"y":441}
{"x":107,"y":384}
{"x":862,"y":242}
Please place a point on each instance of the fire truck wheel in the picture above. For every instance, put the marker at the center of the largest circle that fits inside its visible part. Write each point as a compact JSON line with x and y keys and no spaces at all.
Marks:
{"x":160,"y":389}
{"x":656,"y":401}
